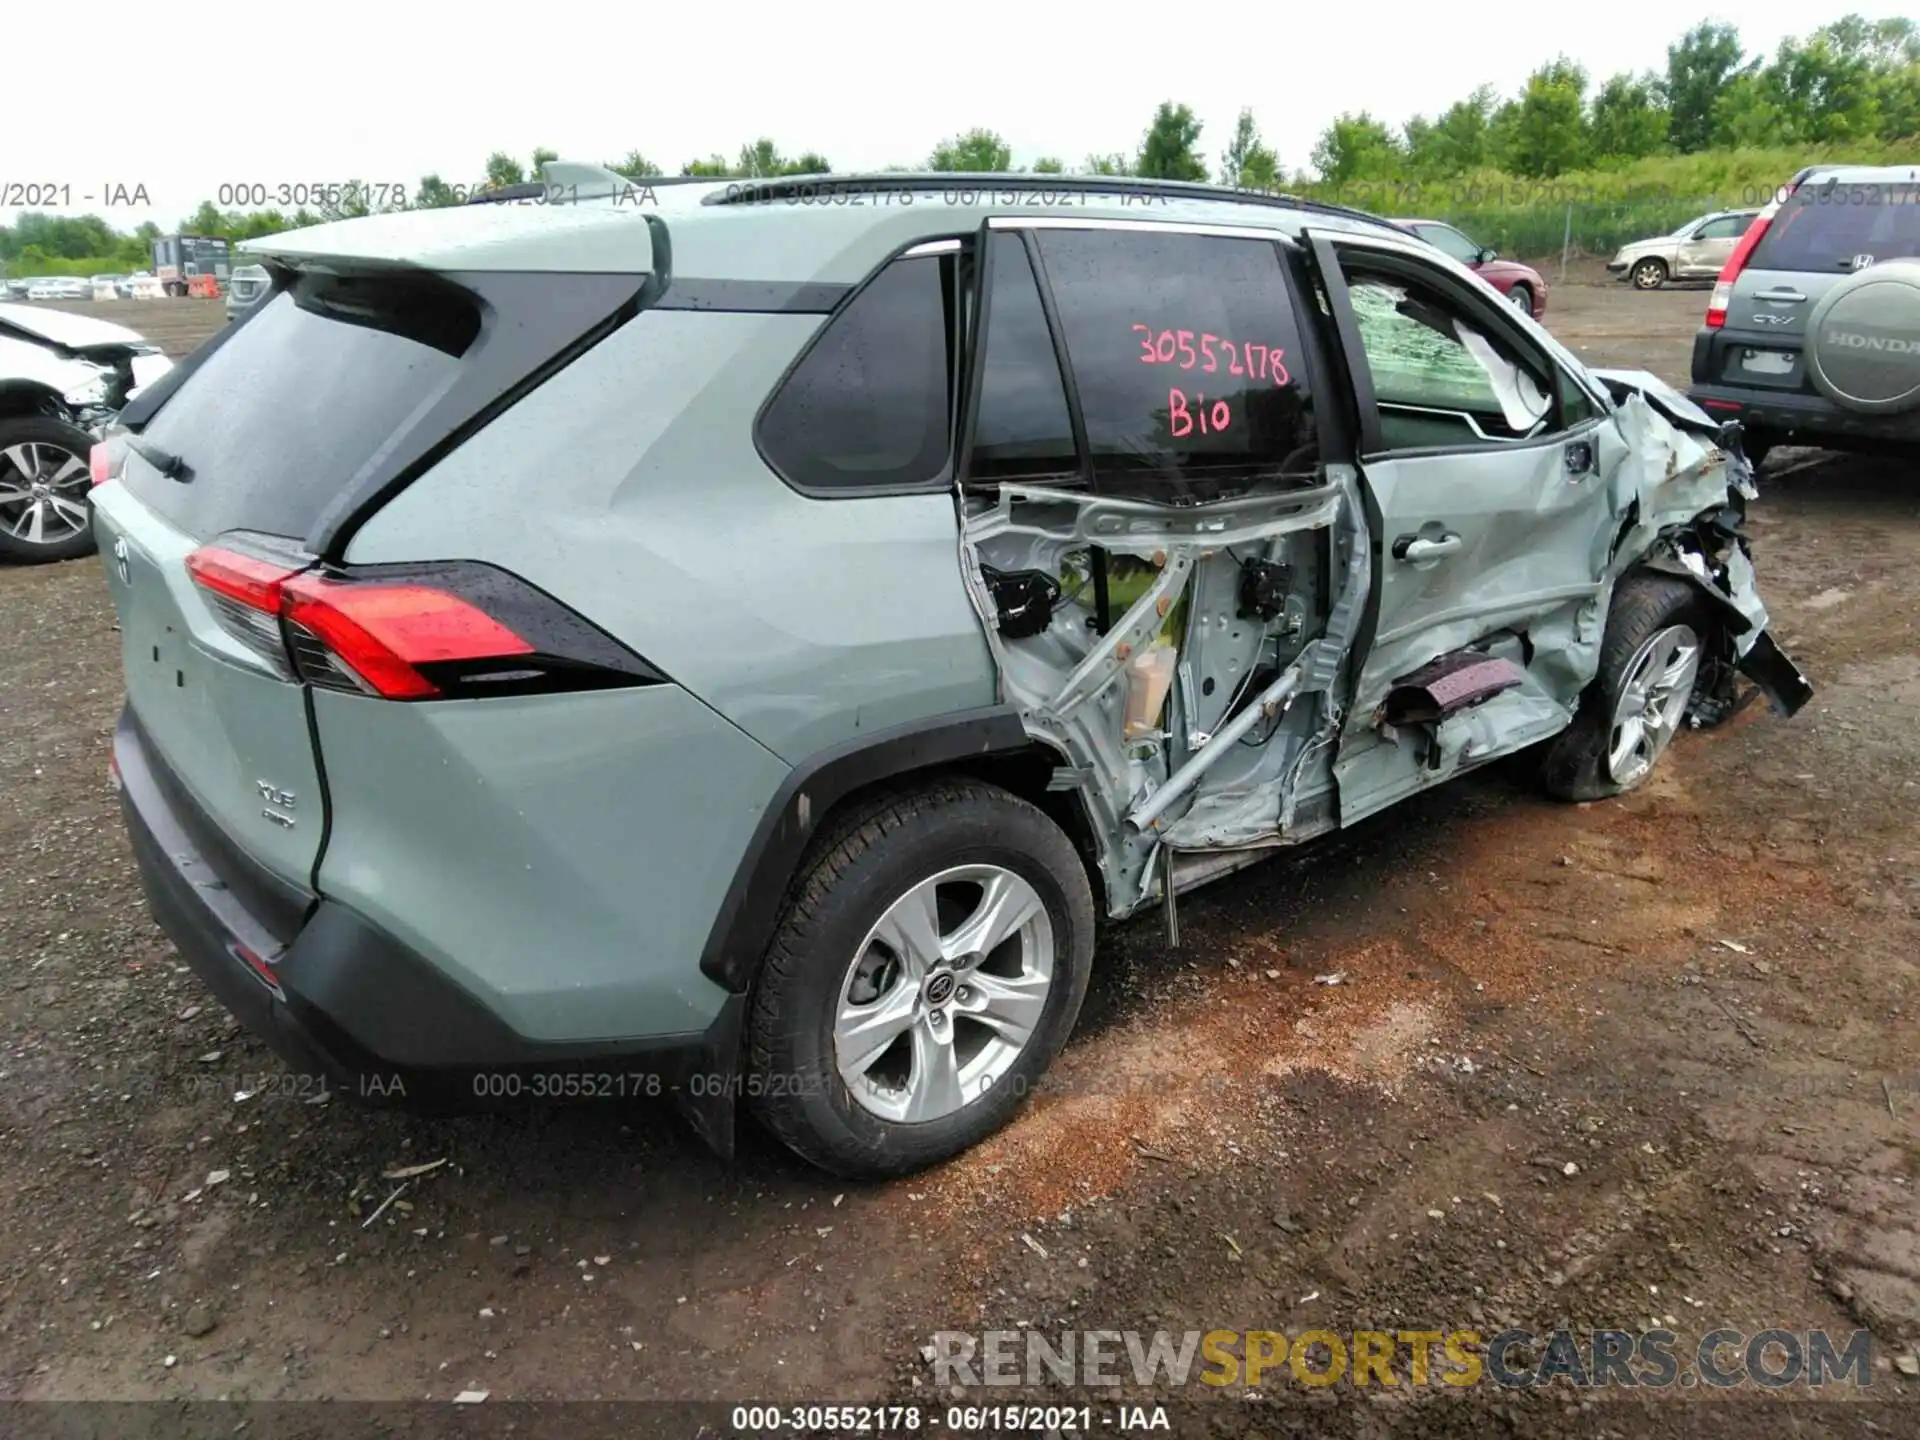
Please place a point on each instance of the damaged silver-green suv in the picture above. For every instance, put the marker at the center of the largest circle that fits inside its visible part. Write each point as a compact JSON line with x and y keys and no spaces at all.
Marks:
{"x":733,"y":643}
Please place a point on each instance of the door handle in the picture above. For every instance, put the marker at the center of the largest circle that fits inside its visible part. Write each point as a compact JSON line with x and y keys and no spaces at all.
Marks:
{"x":1781,"y":296}
{"x":1415,"y":547}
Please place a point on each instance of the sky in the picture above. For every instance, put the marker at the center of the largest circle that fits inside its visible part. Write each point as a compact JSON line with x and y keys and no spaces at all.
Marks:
{"x":270,"y":96}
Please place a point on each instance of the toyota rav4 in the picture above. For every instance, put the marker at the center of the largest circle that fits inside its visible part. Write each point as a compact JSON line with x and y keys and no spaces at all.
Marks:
{"x":737,"y":648}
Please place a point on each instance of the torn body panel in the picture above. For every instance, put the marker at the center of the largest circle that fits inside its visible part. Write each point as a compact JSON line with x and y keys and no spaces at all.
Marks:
{"x":1208,"y":694}
{"x":1278,"y":664}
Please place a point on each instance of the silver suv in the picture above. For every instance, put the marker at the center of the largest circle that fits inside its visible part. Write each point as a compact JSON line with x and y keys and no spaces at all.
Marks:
{"x":737,"y":644}
{"x":1698,"y":250}
{"x":1812,"y":336}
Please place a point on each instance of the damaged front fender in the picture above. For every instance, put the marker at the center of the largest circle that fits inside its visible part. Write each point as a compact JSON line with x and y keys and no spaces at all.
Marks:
{"x":1685,"y":503}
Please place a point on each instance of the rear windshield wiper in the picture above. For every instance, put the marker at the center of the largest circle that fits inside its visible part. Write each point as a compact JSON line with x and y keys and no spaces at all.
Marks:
{"x":165,"y":461}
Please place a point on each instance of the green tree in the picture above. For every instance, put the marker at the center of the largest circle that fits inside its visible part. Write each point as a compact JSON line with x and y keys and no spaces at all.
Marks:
{"x":809,"y":162}
{"x":1356,"y":147}
{"x":1246,"y":161}
{"x":1836,"y":81}
{"x":1049,"y":165}
{"x":635,"y":167}
{"x":1699,"y":65}
{"x":715,"y":166}
{"x":1461,"y":139}
{"x":1628,"y":119}
{"x":761,"y":159}
{"x":433,"y":192}
{"x":1170,"y":150}
{"x":974,"y":150}
{"x":503,"y":169}
{"x":1548,"y":133}
{"x":541,"y":156}
{"x":1746,"y":114}
{"x":1111,"y":164}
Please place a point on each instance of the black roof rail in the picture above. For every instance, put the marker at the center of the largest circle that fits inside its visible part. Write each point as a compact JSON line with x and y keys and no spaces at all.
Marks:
{"x":746,"y":192}
{"x":530,"y":190}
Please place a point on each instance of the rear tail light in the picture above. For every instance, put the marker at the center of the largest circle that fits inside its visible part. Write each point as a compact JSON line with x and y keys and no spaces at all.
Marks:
{"x":100,"y":463}
{"x":1736,"y":262}
{"x":415,"y":632}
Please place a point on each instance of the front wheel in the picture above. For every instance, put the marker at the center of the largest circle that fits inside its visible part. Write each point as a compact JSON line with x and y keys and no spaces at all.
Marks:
{"x":1649,"y":275}
{"x":928,"y":968}
{"x":45,"y":512}
{"x":1657,"y":634}
{"x":1521,"y":298}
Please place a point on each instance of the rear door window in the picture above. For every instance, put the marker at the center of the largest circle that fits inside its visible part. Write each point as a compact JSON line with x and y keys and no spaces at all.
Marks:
{"x":1186,"y":359}
{"x":277,"y":422}
{"x":1828,"y":227}
{"x":869,"y":406}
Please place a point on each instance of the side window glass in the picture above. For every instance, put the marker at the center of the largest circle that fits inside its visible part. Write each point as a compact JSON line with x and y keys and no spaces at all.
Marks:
{"x":1453,"y":243}
{"x":868,"y":407}
{"x":1186,"y":360}
{"x":1576,"y":406}
{"x":1023,"y":428}
{"x":1438,"y":378}
{"x":1725,"y":228}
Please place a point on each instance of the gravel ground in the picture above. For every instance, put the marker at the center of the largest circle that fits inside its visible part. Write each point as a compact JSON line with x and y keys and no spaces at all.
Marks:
{"x":1643,"y":1061}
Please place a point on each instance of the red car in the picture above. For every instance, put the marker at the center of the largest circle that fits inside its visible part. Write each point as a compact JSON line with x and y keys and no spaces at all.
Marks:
{"x":1521,"y":284}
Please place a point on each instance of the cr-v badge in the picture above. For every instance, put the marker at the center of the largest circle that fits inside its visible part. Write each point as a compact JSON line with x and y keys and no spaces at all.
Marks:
{"x":121,"y":562}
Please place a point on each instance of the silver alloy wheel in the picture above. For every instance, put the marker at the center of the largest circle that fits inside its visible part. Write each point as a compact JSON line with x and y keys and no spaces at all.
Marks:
{"x":1647,"y":275}
{"x":1521,"y":299}
{"x":1652,"y":702}
{"x":43,"y":492}
{"x":944,"y":993}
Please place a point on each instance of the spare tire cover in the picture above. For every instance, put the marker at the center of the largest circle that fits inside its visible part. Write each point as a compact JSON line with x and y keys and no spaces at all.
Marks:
{"x":1863,"y":339}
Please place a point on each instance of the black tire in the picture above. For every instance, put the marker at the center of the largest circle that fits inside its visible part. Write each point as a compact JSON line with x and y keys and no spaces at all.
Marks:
{"x":1648,"y":274}
{"x":1521,"y":298}
{"x":1575,"y":764}
{"x":873,"y":857}
{"x":42,"y":430}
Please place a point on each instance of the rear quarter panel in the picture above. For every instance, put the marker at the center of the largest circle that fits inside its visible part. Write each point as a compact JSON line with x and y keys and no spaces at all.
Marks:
{"x":629,"y":487}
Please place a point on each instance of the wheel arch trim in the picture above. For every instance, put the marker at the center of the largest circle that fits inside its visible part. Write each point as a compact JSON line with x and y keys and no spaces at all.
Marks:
{"x":750,"y":909}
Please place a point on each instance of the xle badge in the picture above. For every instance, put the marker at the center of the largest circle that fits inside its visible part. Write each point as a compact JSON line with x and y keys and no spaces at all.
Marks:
{"x":283,"y":799}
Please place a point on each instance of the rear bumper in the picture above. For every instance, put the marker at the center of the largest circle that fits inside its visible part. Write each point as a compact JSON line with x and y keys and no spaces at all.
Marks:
{"x":1794,"y":418}
{"x":1788,"y":413}
{"x":347,"y":1004}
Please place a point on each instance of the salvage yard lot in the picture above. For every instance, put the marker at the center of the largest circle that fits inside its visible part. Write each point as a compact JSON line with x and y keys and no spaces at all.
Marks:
{"x":1650,"y":1061}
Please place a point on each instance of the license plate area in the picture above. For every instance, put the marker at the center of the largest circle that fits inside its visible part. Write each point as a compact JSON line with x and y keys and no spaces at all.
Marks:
{"x":1767,"y":362}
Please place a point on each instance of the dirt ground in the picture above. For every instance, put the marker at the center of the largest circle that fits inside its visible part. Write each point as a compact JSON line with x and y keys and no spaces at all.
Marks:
{"x":1643,"y":1062}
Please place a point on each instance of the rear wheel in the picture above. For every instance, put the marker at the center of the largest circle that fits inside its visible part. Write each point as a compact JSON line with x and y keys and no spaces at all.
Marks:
{"x":44,"y":479}
{"x":1658,"y":633}
{"x":928,"y":969}
{"x":1649,"y":274}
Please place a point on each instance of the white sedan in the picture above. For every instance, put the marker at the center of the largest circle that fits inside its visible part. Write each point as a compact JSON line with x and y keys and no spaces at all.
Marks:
{"x":59,"y":288}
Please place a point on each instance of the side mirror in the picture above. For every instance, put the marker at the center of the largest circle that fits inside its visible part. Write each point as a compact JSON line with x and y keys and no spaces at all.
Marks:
{"x":1487,"y":253}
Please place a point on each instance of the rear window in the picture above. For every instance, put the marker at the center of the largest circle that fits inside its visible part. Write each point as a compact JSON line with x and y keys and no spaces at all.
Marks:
{"x":287,"y":412}
{"x":1827,"y":227}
